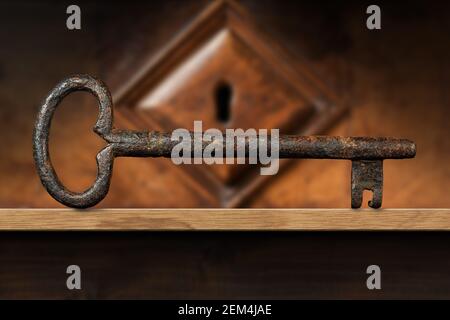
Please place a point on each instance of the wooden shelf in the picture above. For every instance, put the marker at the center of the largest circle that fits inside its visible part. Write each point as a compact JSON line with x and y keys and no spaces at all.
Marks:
{"x":224,"y":219}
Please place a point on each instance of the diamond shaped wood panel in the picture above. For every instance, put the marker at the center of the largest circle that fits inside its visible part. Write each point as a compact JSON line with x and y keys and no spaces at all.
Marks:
{"x":224,"y":71}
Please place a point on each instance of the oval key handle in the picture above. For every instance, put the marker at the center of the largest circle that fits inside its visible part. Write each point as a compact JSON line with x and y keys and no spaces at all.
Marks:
{"x":103,"y":127}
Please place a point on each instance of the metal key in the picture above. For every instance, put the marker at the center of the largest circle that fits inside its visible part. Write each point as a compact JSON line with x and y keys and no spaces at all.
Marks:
{"x":366,"y":154}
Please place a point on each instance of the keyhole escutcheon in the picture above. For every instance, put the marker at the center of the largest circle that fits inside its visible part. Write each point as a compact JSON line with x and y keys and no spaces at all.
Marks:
{"x":223,"y":96}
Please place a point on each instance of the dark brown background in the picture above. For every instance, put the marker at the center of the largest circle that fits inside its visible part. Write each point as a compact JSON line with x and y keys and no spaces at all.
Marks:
{"x":397,"y":81}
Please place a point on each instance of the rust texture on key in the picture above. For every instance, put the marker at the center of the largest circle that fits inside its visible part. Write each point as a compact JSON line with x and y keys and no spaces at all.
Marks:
{"x":366,"y":153}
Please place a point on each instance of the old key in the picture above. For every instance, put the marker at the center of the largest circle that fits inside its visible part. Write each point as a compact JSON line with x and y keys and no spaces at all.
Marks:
{"x":366,"y":154}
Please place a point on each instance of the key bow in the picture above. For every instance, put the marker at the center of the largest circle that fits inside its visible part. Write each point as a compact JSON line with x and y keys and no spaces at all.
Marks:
{"x":103,"y":127}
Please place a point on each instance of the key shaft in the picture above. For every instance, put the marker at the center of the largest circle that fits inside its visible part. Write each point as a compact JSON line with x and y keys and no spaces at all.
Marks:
{"x":128,"y":143}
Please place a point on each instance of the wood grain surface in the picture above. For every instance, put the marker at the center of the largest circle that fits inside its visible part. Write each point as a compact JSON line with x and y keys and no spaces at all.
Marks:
{"x":224,"y":265}
{"x":396,"y":88}
{"x":224,"y":219}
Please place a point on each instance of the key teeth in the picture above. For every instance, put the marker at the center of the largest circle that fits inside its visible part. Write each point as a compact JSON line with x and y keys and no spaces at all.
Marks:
{"x":367,"y":175}
{"x":375,"y":203}
{"x":357,"y":196}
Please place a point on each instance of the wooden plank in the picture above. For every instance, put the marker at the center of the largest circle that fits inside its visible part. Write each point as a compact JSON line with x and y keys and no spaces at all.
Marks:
{"x":224,"y":219}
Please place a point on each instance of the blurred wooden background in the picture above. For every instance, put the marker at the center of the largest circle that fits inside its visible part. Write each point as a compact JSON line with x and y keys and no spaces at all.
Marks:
{"x":395,"y":82}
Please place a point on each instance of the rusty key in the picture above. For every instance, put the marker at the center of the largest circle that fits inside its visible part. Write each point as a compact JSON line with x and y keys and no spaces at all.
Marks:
{"x":366,"y":154}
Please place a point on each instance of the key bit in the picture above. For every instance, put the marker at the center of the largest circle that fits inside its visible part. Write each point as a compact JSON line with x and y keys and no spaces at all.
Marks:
{"x":367,"y":175}
{"x":366,"y":153}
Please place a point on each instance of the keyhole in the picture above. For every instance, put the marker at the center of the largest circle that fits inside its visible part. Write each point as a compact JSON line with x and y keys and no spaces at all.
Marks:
{"x":223,"y":97}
